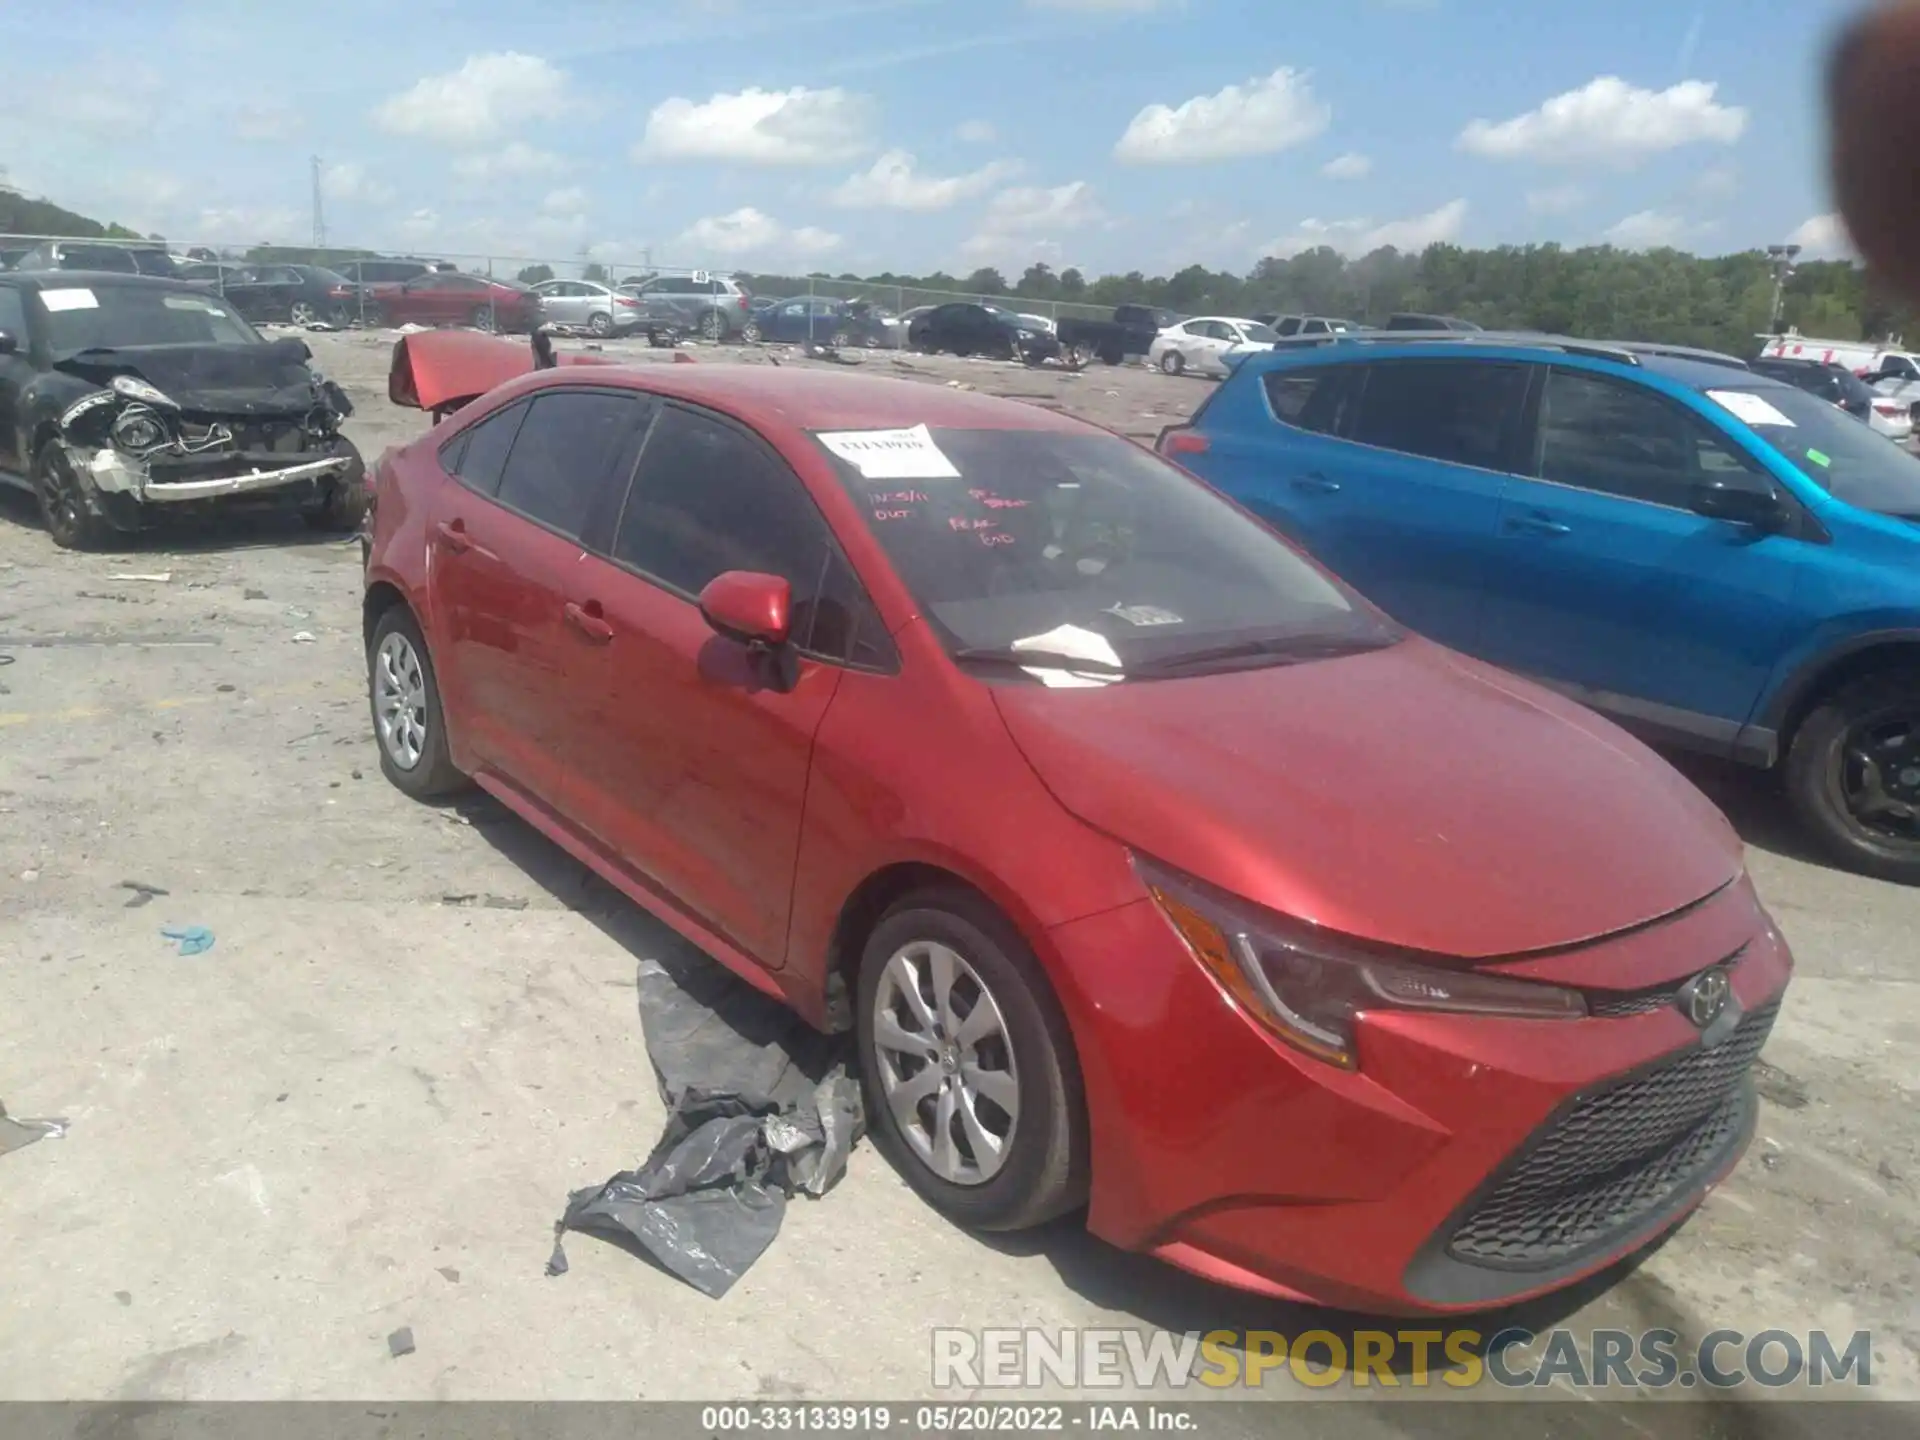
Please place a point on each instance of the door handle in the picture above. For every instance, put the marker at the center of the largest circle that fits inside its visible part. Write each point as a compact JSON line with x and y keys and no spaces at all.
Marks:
{"x":454,"y":536}
{"x":1539,"y":525}
{"x":1318,"y":484}
{"x":589,"y":620}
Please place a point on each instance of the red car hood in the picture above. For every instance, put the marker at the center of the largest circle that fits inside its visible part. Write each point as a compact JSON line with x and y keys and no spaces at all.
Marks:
{"x":1407,"y":795}
{"x":437,"y":367}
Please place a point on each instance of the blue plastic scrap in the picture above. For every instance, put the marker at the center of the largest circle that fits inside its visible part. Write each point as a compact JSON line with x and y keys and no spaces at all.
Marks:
{"x":193,"y":939}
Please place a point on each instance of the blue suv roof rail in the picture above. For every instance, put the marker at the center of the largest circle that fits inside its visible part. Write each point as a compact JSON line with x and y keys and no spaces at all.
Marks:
{"x":1595,"y":349}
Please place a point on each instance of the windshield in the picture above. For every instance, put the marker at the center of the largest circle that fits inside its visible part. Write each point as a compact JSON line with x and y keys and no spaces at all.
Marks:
{"x":119,"y":317}
{"x":1259,"y":334}
{"x":1030,"y":531}
{"x":1838,"y":453}
{"x":1003,"y":315}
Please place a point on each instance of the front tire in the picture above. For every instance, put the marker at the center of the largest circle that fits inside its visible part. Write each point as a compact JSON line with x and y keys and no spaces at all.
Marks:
{"x":344,"y":506}
{"x":409,"y":726}
{"x":65,"y":507}
{"x":969,"y":1070}
{"x":483,"y":319}
{"x":1853,"y":776}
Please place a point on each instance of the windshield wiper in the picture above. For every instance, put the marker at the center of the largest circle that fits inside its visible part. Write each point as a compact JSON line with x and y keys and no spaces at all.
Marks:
{"x":1036,"y":659}
{"x":1285,"y":651}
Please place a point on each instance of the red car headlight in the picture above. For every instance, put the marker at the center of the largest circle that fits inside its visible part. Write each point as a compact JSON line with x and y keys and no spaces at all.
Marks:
{"x":1308,"y":986}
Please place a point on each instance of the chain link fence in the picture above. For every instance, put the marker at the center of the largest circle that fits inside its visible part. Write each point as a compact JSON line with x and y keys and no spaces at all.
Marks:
{"x":394,"y":287}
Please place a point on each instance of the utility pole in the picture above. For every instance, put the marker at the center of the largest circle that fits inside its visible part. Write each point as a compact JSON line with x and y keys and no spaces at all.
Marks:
{"x":1782,"y":258}
{"x":319,"y":212}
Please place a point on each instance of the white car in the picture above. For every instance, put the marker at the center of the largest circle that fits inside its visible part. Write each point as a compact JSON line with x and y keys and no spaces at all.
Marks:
{"x":1039,"y":322}
{"x":1201,"y":344}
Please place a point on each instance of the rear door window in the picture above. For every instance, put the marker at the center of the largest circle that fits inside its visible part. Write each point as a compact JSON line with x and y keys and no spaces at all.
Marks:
{"x":1315,"y":399}
{"x":1605,"y":435}
{"x":1463,"y":412}
{"x":562,"y":461}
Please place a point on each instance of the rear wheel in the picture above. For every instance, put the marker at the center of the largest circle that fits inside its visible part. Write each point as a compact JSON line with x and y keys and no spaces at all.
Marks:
{"x":1173,"y":362}
{"x":968,"y":1065}
{"x":713,"y":326}
{"x":750,"y":332}
{"x":408,"y":723}
{"x":483,"y":318}
{"x":65,"y":504}
{"x":1853,"y":775}
{"x":600,"y":323}
{"x":302,"y":312}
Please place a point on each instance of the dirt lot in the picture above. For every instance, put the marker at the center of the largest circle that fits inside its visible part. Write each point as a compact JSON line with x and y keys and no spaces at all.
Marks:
{"x":363,"y":1108}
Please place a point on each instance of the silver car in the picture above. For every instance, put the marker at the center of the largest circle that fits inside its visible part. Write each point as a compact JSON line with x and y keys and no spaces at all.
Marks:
{"x":586,"y":305}
{"x":712,"y":306}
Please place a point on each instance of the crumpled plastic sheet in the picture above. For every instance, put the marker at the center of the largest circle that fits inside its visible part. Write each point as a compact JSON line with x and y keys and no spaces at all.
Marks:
{"x":18,"y":1134}
{"x":760,"y":1107}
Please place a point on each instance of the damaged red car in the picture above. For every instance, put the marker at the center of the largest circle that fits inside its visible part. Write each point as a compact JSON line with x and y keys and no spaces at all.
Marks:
{"x":1157,"y":873}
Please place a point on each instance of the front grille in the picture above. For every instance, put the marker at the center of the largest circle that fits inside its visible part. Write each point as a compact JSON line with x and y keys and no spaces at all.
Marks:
{"x":1623,"y":1004}
{"x":279,"y":437}
{"x":1611,"y":1159}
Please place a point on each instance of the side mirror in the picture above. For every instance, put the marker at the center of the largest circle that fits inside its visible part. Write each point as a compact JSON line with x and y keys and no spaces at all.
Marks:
{"x":9,"y":344}
{"x":1759,"y":507}
{"x":752,"y":609}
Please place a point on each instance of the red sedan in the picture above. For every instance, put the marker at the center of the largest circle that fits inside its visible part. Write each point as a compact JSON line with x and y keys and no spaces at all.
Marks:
{"x":451,"y":297}
{"x":1156,"y":871}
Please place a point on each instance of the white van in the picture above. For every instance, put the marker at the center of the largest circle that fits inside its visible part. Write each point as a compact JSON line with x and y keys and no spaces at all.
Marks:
{"x":1862,"y":357}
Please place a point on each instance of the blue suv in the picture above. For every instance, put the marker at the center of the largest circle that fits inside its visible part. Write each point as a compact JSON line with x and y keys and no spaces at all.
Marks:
{"x":1714,"y":559}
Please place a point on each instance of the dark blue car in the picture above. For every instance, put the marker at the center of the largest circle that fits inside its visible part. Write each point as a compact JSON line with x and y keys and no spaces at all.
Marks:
{"x":1713,"y":558}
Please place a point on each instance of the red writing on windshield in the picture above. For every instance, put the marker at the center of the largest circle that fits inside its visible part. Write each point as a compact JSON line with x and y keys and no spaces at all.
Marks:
{"x":997,"y":502}
{"x":962,"y":522}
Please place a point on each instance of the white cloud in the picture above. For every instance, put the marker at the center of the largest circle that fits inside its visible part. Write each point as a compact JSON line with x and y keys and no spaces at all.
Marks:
{"x":748,"y":231}
{"x":1556,"y":200}
{"x":516,"y":158}
{"x":1717,"y":182}
{"x":110,"y":98}
{"x":1260,"y":117}
{"x":976,"y":132}
{"x":1022,"y":224}
{"x":420,"y":224}
{"x":893,"y":183}
{"x":1608,"y":121}
{"x":241,"y":225}
{"x":1652,"y":230}
{"x":351,"y":183}
{"x":1351,"y":166}
{"x":1823,"y":237}
{"x":1363,"y":237}
{"x":565,"y":202}
{"x":488,"y":95}
{"x":761,"y":127}
{"x":266,"y":122}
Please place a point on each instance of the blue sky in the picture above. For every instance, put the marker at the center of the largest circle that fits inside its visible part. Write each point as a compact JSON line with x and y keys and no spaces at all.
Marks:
{"x":918,"y":134}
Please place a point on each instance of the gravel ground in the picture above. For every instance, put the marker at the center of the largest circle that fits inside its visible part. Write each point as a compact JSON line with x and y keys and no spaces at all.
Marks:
{"x":363,"y":1108}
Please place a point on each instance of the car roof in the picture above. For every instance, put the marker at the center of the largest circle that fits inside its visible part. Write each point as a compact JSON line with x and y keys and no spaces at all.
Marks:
{"x":773,"y":398}
{"x":89,"y":279}
{"x":1629,"y":356}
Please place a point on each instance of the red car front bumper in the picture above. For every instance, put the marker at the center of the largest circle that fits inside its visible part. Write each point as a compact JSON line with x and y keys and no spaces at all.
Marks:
{"x":1469,"y":1161}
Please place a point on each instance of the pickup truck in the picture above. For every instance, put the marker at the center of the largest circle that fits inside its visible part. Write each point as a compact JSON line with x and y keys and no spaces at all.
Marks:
{"x":1129,"y":333}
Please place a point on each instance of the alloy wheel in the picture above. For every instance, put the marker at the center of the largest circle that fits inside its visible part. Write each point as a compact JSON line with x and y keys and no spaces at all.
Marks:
{"x":946,"y":1062}
{"x":302,"y":313}
{"x":400,"y":701}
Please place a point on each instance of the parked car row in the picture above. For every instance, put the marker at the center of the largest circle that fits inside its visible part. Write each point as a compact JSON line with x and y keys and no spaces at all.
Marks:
{"x":1116,"y":828}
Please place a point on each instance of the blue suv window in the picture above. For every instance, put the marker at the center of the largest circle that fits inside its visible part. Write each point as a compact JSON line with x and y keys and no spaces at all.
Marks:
{"x":1313,"y":399}
{"x":1464,"y":412}
{"x":1618,"y":438}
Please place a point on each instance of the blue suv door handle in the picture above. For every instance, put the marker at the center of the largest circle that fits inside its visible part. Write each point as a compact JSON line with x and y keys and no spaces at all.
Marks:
{"x":1317,"y":483}
{"x":1538,"y":524}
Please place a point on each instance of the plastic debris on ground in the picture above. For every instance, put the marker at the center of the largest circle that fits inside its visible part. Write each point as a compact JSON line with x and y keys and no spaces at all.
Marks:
{"x":18,"y":1134}
{"x":759,"y":1106}
{"x":192,"y":939}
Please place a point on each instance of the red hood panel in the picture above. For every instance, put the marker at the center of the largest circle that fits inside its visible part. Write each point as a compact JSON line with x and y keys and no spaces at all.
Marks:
{"x":437,"y":366}
{"x":1408,"y":795}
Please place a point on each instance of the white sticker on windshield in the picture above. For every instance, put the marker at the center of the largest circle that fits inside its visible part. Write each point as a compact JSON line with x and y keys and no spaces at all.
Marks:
{"x":69,"y":300}
{"x":1750,"y":407}
{"x":1144,"y":614}
{"x":892,"y":454}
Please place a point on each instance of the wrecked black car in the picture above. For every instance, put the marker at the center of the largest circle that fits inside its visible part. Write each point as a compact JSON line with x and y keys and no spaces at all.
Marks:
{"x":124,"y":396}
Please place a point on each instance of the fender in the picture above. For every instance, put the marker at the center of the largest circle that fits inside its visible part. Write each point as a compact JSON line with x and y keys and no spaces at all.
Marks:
{"x":1759,"y":740}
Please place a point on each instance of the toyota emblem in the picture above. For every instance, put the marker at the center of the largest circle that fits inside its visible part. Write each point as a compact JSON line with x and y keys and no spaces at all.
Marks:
{"x":1704,"y":996}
